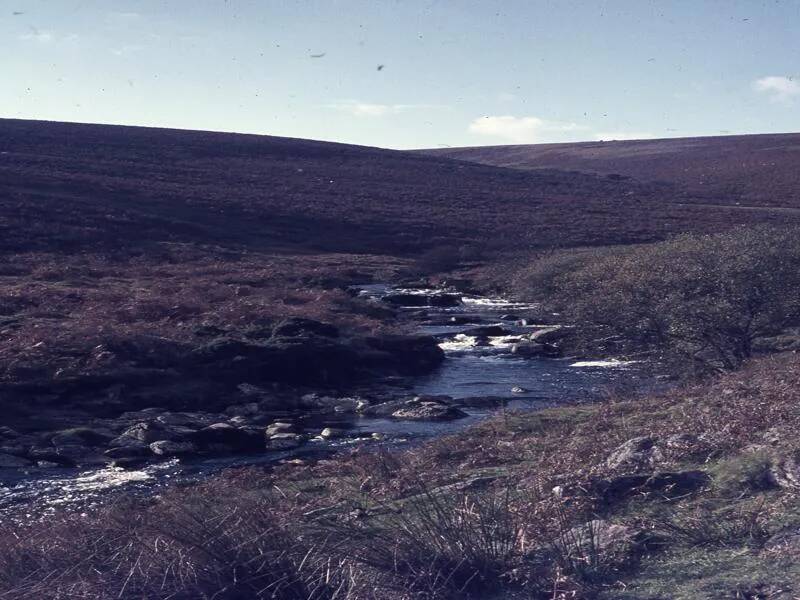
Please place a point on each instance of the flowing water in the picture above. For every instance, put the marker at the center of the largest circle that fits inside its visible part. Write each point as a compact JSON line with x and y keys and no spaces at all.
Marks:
{"x":471,"y":370}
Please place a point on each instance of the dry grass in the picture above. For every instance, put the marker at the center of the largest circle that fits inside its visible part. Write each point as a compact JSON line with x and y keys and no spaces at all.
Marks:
{"x":454,"y":519}
{"x":58,"y":314}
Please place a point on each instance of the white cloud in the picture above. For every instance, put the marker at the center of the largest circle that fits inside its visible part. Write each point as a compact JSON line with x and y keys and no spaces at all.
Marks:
{"x":366,"y":109}
{"x":40,"y":36}
{"x":522,"y":130}
{"x":43,"y":37}
{"x":779,"y":88}
{"x":622,"y":135}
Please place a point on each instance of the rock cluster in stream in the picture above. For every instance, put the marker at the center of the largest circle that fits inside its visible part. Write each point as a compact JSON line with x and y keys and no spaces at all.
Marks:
{"x":137,"y":437}
{"x":234,"y":392}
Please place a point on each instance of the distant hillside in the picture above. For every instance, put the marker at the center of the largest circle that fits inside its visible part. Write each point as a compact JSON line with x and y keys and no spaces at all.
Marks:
{"x":748,"y":169}
{"x":70,"y":187}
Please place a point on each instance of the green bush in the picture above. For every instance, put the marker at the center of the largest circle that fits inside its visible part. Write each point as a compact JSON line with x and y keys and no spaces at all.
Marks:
{"x":702,"y":297}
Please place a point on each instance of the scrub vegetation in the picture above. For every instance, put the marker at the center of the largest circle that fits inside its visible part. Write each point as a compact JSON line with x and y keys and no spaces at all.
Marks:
{"x":704,"y":300}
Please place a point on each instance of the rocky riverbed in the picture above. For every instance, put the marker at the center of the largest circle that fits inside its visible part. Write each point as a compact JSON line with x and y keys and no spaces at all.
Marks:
{"x":493,"y":353}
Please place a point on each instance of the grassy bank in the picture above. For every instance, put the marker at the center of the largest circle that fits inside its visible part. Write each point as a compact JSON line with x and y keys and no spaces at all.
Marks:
{"x":686,"y":495}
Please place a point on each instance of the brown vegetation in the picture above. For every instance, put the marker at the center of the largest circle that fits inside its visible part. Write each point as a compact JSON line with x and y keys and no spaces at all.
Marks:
{"x":464,"y":516}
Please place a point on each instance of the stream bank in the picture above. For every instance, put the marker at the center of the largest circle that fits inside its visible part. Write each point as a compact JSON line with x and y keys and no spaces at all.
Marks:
{"x":496,"y":356}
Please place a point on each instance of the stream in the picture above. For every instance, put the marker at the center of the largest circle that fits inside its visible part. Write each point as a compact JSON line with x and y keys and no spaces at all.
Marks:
{"x":474,"y":367}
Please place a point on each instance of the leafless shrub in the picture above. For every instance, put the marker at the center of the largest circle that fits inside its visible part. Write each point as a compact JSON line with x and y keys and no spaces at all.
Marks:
{"x":702,"y":298}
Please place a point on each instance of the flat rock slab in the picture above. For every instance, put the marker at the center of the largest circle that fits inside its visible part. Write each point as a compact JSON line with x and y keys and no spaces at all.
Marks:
{"x":429,"y":412}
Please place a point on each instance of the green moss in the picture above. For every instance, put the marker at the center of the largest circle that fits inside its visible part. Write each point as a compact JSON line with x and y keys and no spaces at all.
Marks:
{"x":702,"y":574}
{"x":746,"y":472}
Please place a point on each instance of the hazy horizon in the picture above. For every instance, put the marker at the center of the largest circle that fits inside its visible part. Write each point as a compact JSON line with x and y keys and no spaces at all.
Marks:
{"x":408,"y":75}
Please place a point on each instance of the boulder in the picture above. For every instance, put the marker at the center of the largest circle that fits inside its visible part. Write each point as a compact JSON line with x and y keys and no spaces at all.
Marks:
{"x":153,"y":431}
{"x":535,"y":350}
{"x":785,"y":543}
{"x":680,"y":441}
{"x":429,"y":411}
{"x":243,"y":410}
{"x":124,"y":441}
{"x":17,"y":444}
{"x":129,"y":463}
{"x":665,"y":485}
{"x":784,"y":472}
{"x":132,"y":451}
{"x":238,"y":439}
{"x":549,"y":335}
{"x":435,"y":398}
{"x":680,"y":446}
{"x":79,"y":455}
{"x":603,"y":539}
{"x":166,"y":448}
{"x":640,"y":453}
{"x":248,"y":389}
{"x":7,"y":434}
{"x":300,"y":360}
{"x":50,"y":454}
{"x":338,"y":404}
{"x":295,"y":326}
{"x":8,"y":461}
{"x":383,"y":409}
{"x":82,"y":436}
{"x":285,"y":441}
{"x":487,"y":331}
{"x":463,"y":320}
{"x":407,"y":355}
{"x":185,"y":419}
{"x":331,"y":433}
{"x":274,"y":404}
{"x":280,"y":427}
{"x":441,"y":320}
{"x":415,"y":300}
{"x":15,"y":450}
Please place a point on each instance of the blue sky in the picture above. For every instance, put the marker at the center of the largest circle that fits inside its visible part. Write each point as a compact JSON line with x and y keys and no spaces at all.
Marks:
{"x":454,"y":72}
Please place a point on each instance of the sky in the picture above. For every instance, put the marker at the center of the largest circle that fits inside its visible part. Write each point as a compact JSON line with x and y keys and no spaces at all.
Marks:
{"x":408,"y":73}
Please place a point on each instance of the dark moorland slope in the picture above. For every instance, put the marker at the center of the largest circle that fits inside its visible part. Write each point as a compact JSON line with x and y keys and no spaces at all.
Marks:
{"x":752,"y":170}
{"x":69,"y":187}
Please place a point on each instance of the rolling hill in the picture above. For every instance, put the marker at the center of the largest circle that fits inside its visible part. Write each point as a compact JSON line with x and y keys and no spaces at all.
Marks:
{"x":751,"y":170}
{"x":109,"y":189}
